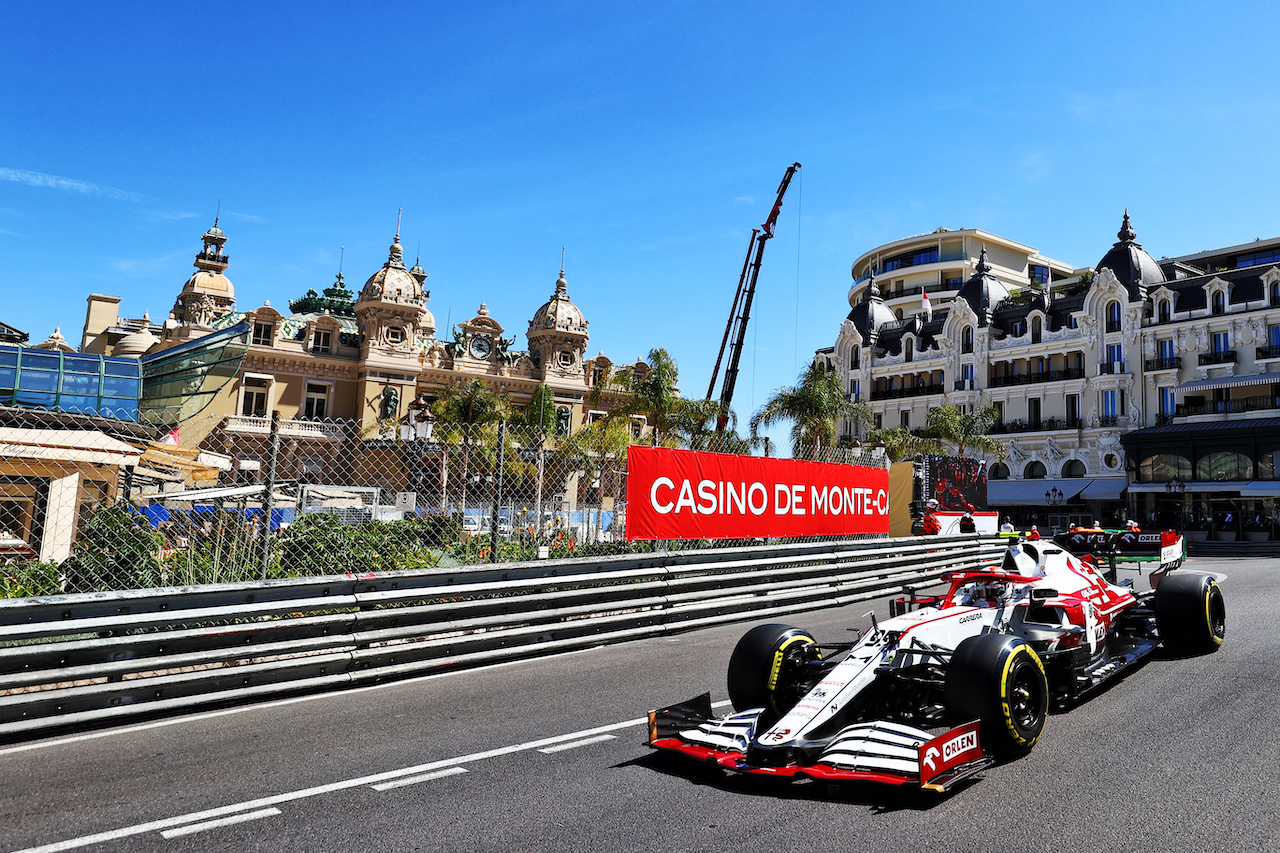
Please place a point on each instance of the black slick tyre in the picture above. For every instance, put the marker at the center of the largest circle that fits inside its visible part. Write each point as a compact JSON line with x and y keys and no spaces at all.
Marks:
{"x":763,"y":669}
{"x":999,"y":680}
{"x":1191,"y":614}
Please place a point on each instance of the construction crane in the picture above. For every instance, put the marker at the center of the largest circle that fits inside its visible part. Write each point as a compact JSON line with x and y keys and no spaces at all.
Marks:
{"x":740,"y":314}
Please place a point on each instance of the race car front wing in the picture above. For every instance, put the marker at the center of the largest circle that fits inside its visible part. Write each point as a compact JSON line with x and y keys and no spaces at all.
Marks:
{"x":880,"y":751}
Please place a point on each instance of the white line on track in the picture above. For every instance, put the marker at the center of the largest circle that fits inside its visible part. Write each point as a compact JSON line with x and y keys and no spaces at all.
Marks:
{"x":374,"y":779}
{"x":561,"y":747}
{"x":193,"y":828}
{"x":277,"y":703}
{"x":425,"y":777}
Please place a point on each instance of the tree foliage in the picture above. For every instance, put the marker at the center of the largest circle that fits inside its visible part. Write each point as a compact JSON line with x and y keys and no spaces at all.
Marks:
{"x":813,"y":406}
{"x":965,"y":431}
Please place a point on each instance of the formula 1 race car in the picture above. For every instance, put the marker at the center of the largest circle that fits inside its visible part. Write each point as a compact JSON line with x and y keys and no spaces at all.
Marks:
{"x":939,"y":692}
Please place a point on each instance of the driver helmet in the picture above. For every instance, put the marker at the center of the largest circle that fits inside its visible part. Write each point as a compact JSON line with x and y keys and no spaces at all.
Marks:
{"x":932,"y":504}
{"x":992,"y":590}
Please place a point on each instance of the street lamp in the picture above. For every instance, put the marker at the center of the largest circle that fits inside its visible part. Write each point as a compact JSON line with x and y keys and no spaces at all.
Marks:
{"x":1054,"y":497}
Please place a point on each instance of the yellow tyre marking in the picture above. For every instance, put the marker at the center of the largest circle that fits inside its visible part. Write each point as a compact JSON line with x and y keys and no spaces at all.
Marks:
{"x":776,"y":669}
{"x":1004,"y":693}
{"x":1208,"y":612}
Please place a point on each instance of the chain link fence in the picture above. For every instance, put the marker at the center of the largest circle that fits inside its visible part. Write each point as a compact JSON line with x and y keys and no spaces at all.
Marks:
{"x":95,"y":504}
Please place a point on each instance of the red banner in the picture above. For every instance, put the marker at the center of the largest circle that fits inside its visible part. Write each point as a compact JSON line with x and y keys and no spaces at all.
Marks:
{"x":684,"y":494}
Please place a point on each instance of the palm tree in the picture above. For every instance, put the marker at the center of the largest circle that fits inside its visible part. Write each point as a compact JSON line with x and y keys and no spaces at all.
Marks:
{"x":966,"y":430}
{"x":462,"y":412}
{"x":652,"y":394}
{"x":814,"y":407}
{"x":901,"y":443}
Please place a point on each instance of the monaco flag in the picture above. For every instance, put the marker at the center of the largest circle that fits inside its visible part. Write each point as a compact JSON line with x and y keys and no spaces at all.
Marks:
{"x":928,"y":308}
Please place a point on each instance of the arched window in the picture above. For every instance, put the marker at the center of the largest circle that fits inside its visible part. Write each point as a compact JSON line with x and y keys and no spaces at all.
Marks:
{"x":1113,"y":316}
{"x":966,"y":339}
{"x":1164,"y":467}
{"x":1164,"y":311}
{"x":857,"y":357}
{"x":1219,"y":303}
{"x":908,"y":349}
{"x":998,"y":471}
{"x":1037,"y":329}
{"x":1275,"y":293}
{"x":1224,"y":465}
{"x":1073,"y":468}
{"x":1035,"y":470}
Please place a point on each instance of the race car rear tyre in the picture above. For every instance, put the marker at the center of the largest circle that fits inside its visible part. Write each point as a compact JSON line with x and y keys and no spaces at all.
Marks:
{"x":1000,"y":681}
{"x":1190,"y":613}
{"x":764,"y":670}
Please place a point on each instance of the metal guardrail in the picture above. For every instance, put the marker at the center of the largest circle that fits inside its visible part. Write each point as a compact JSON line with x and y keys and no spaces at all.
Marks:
{"x":91,"y":658}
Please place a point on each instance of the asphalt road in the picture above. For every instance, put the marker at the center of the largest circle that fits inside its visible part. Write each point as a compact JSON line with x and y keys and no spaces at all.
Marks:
{"x":548,"y":755}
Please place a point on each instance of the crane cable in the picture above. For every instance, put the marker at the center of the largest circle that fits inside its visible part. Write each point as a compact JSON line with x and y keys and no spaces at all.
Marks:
{"x":795,"y":333}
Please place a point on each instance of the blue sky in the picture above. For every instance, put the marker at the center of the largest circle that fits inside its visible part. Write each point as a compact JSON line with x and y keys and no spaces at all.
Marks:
{"x":648,"y":139}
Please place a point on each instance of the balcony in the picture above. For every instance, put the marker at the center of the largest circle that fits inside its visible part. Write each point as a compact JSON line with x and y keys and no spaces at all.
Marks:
{"x":915,"y":391}
{"x":1173,"y":362}
{"x":964,"y":385}
{"x":1108,"y":368}
{"x":1229,"y":407}
{"x":1108,"y":420}
{"x":248,"y":425}
{"x":1043,"y":425}
{"x":1036,"y":378}
{"x":214,"y":258}
{"x":1225,"y":357}
{"x":1272,"y":351}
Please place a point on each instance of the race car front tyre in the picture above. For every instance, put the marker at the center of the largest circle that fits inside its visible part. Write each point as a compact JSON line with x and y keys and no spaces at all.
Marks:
{"x":999,"y":680}
{"x":1190,"y":613}
{"x":765,"y":670}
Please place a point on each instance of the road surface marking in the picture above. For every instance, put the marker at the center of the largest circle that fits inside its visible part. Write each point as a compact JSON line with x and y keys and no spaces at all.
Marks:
{"x":377,"y":778}
{"x":413,"y":780}
{"x":193,"y":828}
{"x":561,"y":747}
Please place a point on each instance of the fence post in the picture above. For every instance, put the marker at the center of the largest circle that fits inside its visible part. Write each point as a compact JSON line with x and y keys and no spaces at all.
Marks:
{"x":497,"y":492}
{"x":273,"y":453}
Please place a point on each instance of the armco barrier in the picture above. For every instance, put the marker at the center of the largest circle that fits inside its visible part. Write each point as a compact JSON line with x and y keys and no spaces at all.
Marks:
{"x":75,"y":660}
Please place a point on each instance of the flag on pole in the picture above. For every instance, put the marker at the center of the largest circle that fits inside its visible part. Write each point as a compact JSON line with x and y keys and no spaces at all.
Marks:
{"x":928,"y":308}
{"x":171,"y":437}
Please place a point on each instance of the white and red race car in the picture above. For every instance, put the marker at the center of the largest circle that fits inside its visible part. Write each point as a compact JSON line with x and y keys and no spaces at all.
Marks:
{"x":949,"y":685}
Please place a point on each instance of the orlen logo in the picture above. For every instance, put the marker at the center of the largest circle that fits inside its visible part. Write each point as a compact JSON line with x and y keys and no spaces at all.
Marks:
{"x":959,"y":744}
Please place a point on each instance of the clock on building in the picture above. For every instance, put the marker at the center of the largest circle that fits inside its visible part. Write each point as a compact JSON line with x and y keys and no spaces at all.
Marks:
{"x":481,"y":346}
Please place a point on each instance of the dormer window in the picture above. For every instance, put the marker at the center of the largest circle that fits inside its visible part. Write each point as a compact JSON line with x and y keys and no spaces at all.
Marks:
{"x":966,"y":339}
{"x":1275,"y":293}
{"x":263,"y":333}
{"x":908,"y":349}
{"x":1219,"y":303}
{"x":1113,"y":316}
{"x":320,"y":339}
{"x":1164,"y":311}
{"x":1037,"y":330}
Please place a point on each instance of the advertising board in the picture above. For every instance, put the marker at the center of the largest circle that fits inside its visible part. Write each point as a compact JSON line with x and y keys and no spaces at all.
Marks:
{"x":686,"y":494}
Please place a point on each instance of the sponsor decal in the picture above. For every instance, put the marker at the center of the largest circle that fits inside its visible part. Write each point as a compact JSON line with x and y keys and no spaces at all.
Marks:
{"x":948,"y":750}
{"x":685,"y":494}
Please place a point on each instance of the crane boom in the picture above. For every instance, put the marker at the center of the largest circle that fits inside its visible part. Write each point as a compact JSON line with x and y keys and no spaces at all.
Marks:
{"x":737,"y":321}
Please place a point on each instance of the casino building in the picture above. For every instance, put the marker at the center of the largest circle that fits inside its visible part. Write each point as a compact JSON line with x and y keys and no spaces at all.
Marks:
{"x":1135,"y":387}
{"x":339,"y":365}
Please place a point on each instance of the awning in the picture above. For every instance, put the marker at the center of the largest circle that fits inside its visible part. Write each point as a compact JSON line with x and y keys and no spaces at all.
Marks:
{"x":1005,"y":492}
{"x":66,"y":445}
{"x":1261,"y":489}
{"x":1105,"y":489}
{"x":213,"y":494}
{"x":1229,"y":486}
{"x":1230,"y":382}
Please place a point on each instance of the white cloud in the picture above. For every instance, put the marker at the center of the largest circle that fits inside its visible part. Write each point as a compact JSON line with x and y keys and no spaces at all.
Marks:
{"x":54,"y":182}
